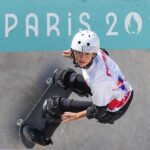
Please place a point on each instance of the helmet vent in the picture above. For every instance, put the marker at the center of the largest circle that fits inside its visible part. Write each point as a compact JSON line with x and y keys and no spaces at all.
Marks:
{"x":79,"y":42}
{"x":86,"y":41}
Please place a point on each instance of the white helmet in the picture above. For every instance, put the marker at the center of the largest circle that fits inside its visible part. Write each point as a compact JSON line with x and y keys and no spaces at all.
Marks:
{"x":86,"y":41}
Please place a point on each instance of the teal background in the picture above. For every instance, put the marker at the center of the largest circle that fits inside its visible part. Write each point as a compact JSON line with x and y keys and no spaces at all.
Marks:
{"x":97,"y":9}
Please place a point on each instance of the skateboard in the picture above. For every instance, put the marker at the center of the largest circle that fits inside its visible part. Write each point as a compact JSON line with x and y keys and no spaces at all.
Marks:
{"x":34,"y":117}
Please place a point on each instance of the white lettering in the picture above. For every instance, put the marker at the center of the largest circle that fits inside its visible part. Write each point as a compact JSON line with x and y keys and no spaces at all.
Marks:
{"x":32,"y":27}
{"x":69,"y":24}
{"x":84,"y":14}
{"x":54,"y":26}
{"x":8,"y":28}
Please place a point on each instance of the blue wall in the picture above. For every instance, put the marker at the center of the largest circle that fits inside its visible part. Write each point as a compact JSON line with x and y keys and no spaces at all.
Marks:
{"x":40,"y":25}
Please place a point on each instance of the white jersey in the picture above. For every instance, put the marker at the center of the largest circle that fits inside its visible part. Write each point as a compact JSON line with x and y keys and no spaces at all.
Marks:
{"x":108,"y":85}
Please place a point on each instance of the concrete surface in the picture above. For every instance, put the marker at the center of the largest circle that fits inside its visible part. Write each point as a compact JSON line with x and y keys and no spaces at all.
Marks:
{"x":22,"y":75}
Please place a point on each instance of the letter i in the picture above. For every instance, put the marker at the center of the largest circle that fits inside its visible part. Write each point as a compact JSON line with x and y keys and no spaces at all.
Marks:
{"x":69,"y":24}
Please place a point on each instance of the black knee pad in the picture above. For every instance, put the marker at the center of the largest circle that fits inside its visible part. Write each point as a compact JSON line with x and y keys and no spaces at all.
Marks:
{"x":61,"y":77}
{"x":51,"y":108}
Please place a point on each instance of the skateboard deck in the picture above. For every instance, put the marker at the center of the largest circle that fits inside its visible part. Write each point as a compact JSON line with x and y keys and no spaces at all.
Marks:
{"x":34,"y":117}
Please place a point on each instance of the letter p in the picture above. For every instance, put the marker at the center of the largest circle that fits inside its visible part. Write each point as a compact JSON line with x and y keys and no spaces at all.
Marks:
{"x":8,"y":28}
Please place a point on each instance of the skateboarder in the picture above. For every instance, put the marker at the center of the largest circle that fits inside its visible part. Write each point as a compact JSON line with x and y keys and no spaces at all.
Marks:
{"x":101,"y":79}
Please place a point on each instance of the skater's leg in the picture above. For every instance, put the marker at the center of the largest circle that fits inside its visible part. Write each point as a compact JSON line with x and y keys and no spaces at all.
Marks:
{"x":55,"y":107}
{"x":67,"y":78}
{"x":36,"y":136}
{"x":74,"y":105}
{"x":49,"y":129}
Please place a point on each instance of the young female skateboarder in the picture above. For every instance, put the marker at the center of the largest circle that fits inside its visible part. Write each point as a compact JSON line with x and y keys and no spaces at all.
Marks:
{"x":101,"y":79}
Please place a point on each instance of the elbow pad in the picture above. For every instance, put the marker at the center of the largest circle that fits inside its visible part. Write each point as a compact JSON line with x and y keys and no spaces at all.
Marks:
{"x":96,"y":112}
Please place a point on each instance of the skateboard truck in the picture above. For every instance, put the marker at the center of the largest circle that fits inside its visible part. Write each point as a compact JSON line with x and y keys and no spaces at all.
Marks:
{"x":49,"y":81}
{"x":19,"y":122}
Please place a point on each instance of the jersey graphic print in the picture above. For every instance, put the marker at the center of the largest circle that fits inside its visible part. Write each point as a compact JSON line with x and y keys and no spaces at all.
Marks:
{"x":108,"y":85}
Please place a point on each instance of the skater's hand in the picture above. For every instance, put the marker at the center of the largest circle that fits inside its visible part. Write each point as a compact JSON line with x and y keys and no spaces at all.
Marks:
{"x":67,"y":53}
{"x":70,"y":116}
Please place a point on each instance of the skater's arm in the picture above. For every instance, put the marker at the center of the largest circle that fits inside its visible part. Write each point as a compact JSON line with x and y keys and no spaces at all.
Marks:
{"x":70,"y":116}
{"x":92,"y":112}
{"x":67,"y":54}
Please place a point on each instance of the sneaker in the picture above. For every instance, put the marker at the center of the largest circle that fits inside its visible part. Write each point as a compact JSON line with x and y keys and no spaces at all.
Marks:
{"x":36,"y":136}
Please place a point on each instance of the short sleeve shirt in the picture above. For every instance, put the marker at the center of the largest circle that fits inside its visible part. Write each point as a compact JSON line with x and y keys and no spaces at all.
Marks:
{"x":107,"y":83}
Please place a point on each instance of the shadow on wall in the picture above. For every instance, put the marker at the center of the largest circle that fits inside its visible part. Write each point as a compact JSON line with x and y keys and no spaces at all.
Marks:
{"x":23,"y":77}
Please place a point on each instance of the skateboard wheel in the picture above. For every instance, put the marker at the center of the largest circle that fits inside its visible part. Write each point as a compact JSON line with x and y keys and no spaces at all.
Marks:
{"x":48,"y":81}
{"x":19,"y":122}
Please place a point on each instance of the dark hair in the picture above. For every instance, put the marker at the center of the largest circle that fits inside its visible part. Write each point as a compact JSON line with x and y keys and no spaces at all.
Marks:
{"x":74,"y":61}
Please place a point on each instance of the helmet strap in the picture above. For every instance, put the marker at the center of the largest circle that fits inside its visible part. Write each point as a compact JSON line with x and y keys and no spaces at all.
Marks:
{"x":74,"y":61}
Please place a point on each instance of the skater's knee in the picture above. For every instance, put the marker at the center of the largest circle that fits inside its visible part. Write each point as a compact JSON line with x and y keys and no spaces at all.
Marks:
{"x":61,"y":77}
{"x":67,"y":78}
{"x":51,"y":107}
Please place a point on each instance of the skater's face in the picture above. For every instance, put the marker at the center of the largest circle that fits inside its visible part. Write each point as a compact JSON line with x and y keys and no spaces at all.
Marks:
{"x":83,"y":59}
